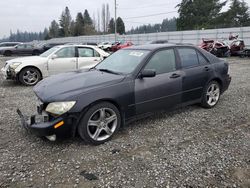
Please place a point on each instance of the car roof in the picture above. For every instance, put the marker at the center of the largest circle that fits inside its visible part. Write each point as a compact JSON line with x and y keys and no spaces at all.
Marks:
{"x":153,"y":47}
{"x":76,"y":45}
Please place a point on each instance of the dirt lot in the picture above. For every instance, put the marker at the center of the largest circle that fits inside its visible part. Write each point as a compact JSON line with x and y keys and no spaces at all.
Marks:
{"x":190,"y":147}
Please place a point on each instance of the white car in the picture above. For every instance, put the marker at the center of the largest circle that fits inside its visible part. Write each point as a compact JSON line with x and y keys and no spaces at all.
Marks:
{"x":105,"y":46}
{"x":30,"y":70}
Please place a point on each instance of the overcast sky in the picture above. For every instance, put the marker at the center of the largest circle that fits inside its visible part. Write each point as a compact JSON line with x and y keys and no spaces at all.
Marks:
{"x":35,"y":15}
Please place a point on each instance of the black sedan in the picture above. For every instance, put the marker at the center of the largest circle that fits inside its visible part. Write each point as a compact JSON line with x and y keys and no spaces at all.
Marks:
{"x":130,"y":83}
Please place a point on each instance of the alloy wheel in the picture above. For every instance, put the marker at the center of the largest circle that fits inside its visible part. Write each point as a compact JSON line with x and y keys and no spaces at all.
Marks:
{"x":102,"y":124}
{"x":213,"y":94}
{"x":30,"y":77}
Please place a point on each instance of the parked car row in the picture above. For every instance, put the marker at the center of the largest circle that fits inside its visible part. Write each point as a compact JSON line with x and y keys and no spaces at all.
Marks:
{"x":113,"y":47}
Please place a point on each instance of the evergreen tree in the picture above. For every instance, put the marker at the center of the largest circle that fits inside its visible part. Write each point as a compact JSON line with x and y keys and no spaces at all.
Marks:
{"x":54,"y":29}
{"x":89,"y":28}
{"x":168,"y":25}
{"x":120,"y":26}
{"x":236,"y":16}
{"x":197,"y":14}
{"x":111,"y":26}
{"x":65,"y":22}
{"x":79,"y":25}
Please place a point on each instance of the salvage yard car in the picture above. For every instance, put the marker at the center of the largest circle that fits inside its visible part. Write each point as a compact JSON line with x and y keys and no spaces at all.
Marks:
{"x":30,"y":70}
{"x":132,"y":82}
{"x":21,"y":49}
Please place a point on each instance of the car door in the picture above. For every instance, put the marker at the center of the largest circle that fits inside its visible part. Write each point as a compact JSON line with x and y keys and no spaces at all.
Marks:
{"x":20,"y":49}
{"x":87,"y":57}
{"x":162,"y":91}
{"x":197,"y":71}
{"x":63,"y":60}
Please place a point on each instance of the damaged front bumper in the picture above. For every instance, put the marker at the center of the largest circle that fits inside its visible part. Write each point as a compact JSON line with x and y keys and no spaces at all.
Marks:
{"x":9,"y":74}
{"x":43,"y":125}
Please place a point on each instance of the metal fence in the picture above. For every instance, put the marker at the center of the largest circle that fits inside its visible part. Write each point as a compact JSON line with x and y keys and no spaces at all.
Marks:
{"x":192,"y":37}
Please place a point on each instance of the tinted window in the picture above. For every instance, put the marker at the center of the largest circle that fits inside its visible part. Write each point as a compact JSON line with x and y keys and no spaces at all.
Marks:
{"x":86,"y":52}
{"x":66,"y":52}
{"x":21,"y":46}
{"x":188,"y":57}
{"x":201,"y":58}
{"x":162,"y":62}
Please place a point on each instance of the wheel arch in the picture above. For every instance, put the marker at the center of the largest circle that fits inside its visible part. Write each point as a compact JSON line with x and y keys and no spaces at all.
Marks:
{"x":85,"y":109}
{"x":30,"y":66}
{"x":217,"y":79}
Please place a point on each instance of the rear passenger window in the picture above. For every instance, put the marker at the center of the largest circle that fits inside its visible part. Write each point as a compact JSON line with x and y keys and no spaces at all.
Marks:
{"x":188,"y":57}
{"x":202,"y":59}
{"x":86,"y":52}
{"x":162,"y":62}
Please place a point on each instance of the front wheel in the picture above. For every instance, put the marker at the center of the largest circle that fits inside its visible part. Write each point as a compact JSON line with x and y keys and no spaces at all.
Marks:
{"x":211,"y":95}
{"x":30,"y":76}
{"x":99,"y":123}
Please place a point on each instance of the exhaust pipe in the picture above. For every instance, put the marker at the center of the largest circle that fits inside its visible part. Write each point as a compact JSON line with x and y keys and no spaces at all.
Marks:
{"x":51,"y":138}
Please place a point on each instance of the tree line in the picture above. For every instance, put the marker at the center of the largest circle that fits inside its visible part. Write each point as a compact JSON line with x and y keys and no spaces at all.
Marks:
{"x":200,"y":14}
{"x":83,"y":24}
{"x":193,"y":15}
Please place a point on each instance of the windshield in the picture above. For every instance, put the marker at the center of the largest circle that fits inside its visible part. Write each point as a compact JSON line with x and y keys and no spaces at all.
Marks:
{"x":49,"y":52}
{"x":123,"y":61}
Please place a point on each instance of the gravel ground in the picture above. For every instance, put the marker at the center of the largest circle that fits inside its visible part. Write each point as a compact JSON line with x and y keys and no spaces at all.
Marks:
{"x":190,"y":147}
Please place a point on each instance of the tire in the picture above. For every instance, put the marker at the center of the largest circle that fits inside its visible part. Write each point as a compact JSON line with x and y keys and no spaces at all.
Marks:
{"x":211,"y":95}
{"x":7,"y":53}
{"x":99,"y":119}
{"x":29,"y":76}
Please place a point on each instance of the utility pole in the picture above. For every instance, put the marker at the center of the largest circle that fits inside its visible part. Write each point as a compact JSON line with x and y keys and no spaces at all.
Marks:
{"x":115,"y":22}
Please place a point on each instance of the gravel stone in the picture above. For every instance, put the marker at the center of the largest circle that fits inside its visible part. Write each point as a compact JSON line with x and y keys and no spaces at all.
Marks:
{"x":189,"y":147}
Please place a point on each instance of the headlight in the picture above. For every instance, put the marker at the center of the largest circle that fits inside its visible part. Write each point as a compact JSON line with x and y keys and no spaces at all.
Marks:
{"x":14,"y":65}
{"x":59,"y":108}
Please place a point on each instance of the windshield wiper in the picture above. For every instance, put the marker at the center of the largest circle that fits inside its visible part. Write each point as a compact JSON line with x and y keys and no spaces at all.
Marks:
{"x":108,"y":71}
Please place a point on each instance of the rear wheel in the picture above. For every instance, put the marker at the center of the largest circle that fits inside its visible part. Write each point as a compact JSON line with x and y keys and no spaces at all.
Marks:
{"x":7,"y":53}
{"x":99,"y":123}
{"x":30,"y":76}
{"x":211,"y":95}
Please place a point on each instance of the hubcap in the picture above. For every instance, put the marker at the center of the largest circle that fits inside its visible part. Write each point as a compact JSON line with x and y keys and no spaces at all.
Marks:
{"x":213,"y":94}
{"x":30,"y":77}
{"x":102,"y":124}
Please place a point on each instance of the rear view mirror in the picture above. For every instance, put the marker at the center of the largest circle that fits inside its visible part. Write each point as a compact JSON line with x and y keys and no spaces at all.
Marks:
{"x":148,"y":73}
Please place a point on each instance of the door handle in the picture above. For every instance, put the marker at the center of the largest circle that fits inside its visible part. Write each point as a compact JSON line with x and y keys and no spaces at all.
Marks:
{"x":175,"y":75}
{"x":96,"y":59}
{"x":207,"y":68}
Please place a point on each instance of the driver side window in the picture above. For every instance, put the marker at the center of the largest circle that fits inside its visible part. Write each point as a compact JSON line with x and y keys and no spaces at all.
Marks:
{"x":67,"y":52}
{"x":162,"y":62}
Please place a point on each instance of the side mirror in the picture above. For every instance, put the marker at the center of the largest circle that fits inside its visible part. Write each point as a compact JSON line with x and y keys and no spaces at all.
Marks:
{"x":148,"y":73}
{"x":54,"y":56}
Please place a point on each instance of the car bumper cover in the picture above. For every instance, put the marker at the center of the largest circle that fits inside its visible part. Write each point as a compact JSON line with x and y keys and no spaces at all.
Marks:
{"x":40,"y":125}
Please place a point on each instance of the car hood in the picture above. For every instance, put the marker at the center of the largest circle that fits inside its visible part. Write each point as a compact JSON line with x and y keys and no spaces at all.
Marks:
{"x":69,"y":85}
{"x":31,"y":59}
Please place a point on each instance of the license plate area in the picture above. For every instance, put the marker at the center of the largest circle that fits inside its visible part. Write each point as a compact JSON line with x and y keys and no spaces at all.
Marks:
{"x":40,"y":118}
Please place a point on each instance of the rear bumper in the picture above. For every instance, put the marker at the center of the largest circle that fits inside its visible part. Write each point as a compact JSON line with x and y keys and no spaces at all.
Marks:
{"x":40,"y":125}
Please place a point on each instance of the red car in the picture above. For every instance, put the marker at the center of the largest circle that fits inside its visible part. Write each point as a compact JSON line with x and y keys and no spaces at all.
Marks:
{"x":119,"y":45}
